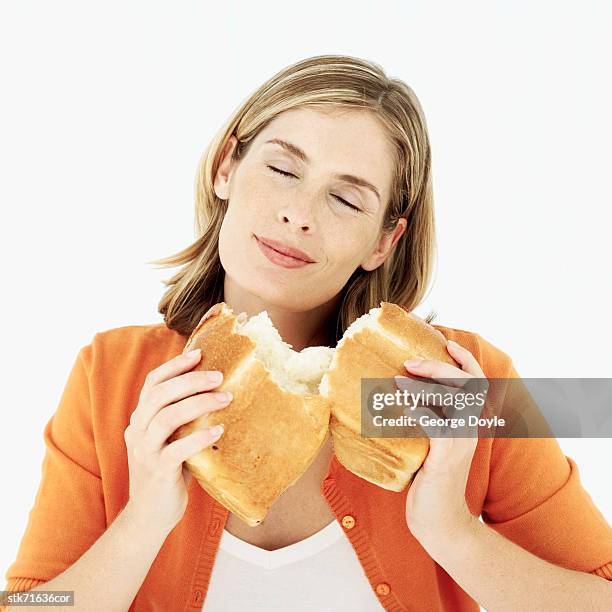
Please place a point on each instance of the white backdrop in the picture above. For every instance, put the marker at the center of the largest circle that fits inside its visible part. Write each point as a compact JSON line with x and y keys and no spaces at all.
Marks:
{"x":107,"y":107}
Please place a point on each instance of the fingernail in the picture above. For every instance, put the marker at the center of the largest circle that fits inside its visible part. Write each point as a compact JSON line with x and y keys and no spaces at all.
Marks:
{"x":401,"y":381}
{"x":413,"y":363}
{"x":224,"y":396}
{"x":217,"y":430}
{"x":452,"y":343}
{"x":193,"y":353}
{"x":215,"y":376}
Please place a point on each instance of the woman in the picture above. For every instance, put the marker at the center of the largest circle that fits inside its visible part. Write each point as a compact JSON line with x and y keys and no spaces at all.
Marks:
{"x":330,"y":160}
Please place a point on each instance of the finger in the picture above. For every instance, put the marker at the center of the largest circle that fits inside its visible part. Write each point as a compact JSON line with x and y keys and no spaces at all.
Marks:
{"x":174,"y":454}
{"x":441,"y":426}
{"x":433,"y":424}
{"x":417,"y":410}
{"x":174,"y":366}
{"x":436,"y":395}
{"x":172,"y":391}
{"x":450,"y":401}
{"x":464,"y":357}
{"x":449,"y":374}
{"x":170,"y":418}
{"x":442,"y":372}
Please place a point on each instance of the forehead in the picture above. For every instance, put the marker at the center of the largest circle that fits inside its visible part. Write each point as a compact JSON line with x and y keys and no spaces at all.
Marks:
{"x":338,"y":140}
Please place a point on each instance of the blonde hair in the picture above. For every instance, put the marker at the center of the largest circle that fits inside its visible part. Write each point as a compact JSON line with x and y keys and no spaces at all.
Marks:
{"x":321,"y":82}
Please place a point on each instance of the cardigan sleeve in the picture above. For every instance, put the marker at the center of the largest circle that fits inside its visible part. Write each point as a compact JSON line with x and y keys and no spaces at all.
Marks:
{"x":536,"y":499}
{"x":68,"y":514}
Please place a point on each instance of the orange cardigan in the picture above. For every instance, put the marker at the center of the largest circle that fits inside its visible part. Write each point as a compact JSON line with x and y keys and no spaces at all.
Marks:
{"x":525,"y":489}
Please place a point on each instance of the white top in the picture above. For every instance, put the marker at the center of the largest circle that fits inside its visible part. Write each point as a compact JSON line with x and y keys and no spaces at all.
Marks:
{"x":319,"y":573}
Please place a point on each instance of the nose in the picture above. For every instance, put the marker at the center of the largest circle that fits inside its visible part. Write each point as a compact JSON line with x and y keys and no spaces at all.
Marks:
{"x":298,"y":215}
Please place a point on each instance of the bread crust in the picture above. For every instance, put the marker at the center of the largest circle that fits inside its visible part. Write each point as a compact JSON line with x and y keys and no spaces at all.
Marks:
{"x":378,"y":350}
{"x":266,"y":446}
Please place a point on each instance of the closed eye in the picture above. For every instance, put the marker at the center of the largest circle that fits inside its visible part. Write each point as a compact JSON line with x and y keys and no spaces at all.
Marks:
{"x":289,"y":175}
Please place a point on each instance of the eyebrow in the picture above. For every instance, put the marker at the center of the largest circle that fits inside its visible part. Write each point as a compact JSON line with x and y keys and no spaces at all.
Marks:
{"x":349,"y":178}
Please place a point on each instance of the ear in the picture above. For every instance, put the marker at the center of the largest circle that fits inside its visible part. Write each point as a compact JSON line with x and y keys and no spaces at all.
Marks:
{"x":385,"y":246}
{"x":224,"y":171}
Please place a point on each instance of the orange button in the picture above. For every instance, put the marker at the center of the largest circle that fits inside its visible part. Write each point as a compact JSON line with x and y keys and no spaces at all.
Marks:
{"x":348,"y":521}
{"x":383,"y":588}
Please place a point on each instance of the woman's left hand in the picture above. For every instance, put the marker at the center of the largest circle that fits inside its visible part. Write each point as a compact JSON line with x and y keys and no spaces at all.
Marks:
{"x":435,"y":504}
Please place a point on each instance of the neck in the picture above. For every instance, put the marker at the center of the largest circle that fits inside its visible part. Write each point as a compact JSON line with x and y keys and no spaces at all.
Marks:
{"x":299,"y":328}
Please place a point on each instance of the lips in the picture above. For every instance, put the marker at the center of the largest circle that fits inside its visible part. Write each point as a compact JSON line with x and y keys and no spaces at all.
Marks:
{"x":285,"y":250}
{"x":277,"y":258}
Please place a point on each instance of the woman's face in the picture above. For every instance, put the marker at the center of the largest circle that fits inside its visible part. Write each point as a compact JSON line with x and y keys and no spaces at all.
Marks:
{"x":302,"y":210}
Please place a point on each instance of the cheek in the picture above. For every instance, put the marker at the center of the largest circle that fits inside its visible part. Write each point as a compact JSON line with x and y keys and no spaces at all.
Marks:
{"x":239,"y":217}
{"x":346,"y":249}
{"x":253,"y":190}
{"x":225,"y":236}
{"x":233,"y":227}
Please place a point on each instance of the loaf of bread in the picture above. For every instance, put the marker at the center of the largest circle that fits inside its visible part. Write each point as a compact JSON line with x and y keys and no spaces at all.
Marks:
{"x":285,"y":403}
{"x":276,"y":423}
{"x":375,"y":346}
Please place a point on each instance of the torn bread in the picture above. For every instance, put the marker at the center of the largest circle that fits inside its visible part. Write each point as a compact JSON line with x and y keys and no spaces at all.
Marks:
{"x":285,"y":403}
{"x":275,"y":425}
{"x":375,"y":346}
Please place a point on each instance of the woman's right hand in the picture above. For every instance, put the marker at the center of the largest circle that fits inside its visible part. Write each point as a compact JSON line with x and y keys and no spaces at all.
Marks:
{"x":158,"y":479}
